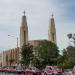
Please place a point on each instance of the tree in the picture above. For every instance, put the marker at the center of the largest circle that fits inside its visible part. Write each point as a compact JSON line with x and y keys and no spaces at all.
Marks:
{"x":35,"y":61}
{"x":67,"y":59}
{"x":47,"y":52}
{"x":11,"y":61}
{"x":63,"y":59}
{"x":27,"y":54}
{"x":71,"y":54}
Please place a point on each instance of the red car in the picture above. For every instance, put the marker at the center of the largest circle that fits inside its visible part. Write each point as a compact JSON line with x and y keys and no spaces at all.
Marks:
{"x":53,"y":70}
{"x":33,"y":70}
{"x":20,"y":70}
{"x":9,"y":69}
{"x":1,"y":69}
{"x":73,"y":71}
{"x":4,"y":69}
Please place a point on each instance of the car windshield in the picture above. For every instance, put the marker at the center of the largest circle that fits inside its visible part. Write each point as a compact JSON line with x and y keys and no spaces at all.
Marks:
{"x":48,"y":68}
{"x":10,"y":68}
{"x":56,"y":68}
{"x":19,"y":68}
{"x":34,"y":68}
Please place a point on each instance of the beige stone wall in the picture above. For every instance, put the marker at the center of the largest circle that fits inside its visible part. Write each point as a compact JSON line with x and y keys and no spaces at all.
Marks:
{"x":0,"y":59}
{"x":12,"y":54}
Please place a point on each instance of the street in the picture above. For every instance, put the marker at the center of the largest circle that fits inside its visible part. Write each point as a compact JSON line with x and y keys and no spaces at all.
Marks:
{"x":10,"y":74}
{"x":66,"y":73}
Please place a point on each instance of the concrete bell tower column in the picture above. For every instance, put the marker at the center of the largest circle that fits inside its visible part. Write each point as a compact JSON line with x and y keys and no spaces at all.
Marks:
{"x":23,"y":31}
{"x":52,"y":31}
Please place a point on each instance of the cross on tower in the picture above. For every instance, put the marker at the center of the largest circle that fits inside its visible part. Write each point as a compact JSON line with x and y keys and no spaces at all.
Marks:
{"x":24,"y":13}
{"x":52,"y":15}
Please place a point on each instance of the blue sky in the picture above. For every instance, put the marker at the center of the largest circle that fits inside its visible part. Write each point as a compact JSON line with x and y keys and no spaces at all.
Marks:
{"x":38,"y":14}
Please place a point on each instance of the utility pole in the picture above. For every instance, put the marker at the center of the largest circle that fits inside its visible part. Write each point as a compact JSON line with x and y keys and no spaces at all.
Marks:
{"x":16,"y":39}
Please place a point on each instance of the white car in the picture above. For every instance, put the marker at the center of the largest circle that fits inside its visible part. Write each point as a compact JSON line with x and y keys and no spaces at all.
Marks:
{"x":53,"y":70}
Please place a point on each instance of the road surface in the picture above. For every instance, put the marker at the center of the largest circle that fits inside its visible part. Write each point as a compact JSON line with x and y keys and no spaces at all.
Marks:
{"x":66,"y":73}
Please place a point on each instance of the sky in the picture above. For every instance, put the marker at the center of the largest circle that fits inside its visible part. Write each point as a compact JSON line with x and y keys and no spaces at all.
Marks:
{"x":38,"y":14}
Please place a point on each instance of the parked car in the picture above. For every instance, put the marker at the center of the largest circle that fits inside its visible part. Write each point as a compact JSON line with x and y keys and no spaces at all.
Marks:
{"x":20,"y":70}
{"x":1,"y":69}
{"x":33,"y":70}
{"x":73,"y":71}
{"x":4,"y":69}
{"x":9,"y":69}
{"x":53,"y":70}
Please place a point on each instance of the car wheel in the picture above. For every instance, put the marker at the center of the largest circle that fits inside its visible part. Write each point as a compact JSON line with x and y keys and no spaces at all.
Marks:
{"x":45,"y":74}
{"x":53,"y":74}
{"x":40,"y":74}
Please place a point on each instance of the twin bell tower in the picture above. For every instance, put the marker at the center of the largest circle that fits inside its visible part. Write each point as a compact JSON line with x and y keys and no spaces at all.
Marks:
{"x":24,"y":31}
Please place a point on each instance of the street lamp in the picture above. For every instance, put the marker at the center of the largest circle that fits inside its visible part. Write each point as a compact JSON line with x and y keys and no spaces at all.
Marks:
{"x":16,"y":38}
{"x":72,"y":37}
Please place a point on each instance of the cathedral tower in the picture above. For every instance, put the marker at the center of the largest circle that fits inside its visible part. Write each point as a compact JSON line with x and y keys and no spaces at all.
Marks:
{"x":52,"y":31}
{"x":23,"y":31}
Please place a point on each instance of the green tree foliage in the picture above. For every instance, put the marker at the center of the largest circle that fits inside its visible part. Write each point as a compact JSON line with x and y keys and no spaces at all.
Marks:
{"x":63,"y":59}
{"x":71,"y":54}
{"x":11,"y":61}
{"x":35,"y":61}
{"x":67,"y":60}
{"x":27,"y":54}
{"x":47,"y":52}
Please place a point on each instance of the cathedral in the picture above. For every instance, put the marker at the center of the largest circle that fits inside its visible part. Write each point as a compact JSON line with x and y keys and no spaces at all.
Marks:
{"x":24,"y":32}
{"x":14,"y":54}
